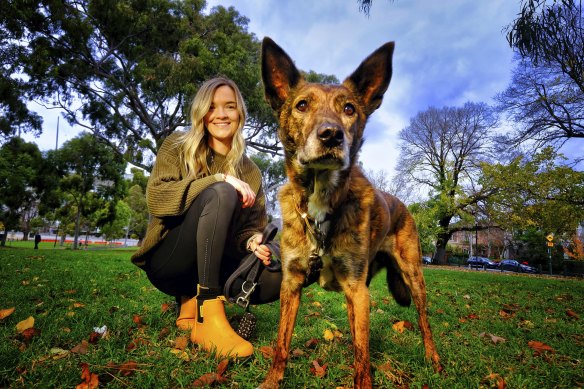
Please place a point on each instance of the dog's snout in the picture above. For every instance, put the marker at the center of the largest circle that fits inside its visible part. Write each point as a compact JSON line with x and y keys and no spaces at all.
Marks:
{"x":331,"y":135}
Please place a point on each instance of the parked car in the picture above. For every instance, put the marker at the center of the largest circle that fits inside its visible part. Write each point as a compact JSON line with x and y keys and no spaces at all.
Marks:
{"x":481,"y":262}
{"x":512,"y":265}
{"x":426,"y":260}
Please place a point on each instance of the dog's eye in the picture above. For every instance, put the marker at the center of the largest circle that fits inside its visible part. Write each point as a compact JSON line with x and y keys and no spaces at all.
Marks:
{"x":349,"y":109}
{"x":302,"y":105}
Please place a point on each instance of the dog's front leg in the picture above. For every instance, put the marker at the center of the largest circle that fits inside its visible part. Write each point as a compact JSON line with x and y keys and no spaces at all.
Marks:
{"x":357,"y":296}
{"x":289,"y":303}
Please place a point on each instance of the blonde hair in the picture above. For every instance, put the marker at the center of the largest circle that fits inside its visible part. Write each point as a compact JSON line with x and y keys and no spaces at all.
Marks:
{"x":194,"y":147}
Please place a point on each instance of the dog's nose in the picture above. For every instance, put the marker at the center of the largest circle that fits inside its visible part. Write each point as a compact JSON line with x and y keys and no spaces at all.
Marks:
{"x":330,"y":134}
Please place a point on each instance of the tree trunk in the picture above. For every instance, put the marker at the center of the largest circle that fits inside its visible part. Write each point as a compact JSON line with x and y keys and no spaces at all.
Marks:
{"x":77,"y":222}
{"x":441,"y":242}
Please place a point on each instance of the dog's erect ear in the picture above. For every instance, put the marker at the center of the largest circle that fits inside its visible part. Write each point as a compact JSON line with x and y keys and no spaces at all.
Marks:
{"x":372,"y":77}
{"x":278,"y":73}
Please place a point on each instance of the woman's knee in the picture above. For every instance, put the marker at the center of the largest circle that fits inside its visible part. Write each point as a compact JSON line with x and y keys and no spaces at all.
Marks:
{"x":222,"y":193}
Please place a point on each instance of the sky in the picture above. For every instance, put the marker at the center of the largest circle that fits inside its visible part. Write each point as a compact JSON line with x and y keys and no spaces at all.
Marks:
{"x":447,"y":53}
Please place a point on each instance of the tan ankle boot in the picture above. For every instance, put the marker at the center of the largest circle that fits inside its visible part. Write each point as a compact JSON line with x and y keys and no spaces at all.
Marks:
{"x":188,"y":313}
{"x":214,"y":333}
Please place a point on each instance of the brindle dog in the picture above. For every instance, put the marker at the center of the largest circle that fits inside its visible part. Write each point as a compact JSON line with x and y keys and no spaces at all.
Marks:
{"x":338,"y":229}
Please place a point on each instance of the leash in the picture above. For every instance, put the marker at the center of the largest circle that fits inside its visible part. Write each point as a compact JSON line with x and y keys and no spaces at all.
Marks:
{"x":319,"y":232}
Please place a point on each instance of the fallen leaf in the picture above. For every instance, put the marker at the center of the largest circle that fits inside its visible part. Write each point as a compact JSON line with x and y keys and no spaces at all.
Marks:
{"x":267,"y":352}
{"x":181,"y":342}
{"x":164,"y":307}
{"x":81,"y":348}
{"x":539,"y":347}
{"x":25,"y":324}
{"x":206,"y":379}
{"x":94,"y":337}
{"x":403,"y":325}
{"x":466,"y":297}
{"x":138,"y":320}
{"x":181,"y":354}
{"x":297,"y":353}
{"x":499,"y":381}
{"x":58,"y":353}
{"x":90,"y":380}
{"x":317,"y":304}
{"x":318,"y":370}
{"x":495,"y":339}
{"x":328,"y":335}
{"x":222,"y":367}
{"x":128,"y":368}
{"x":572,"y":314}
{"x":164,"y":332}
{"x":28,"y":334}
{"x":311,"y":343}
{"x":4,"y":313}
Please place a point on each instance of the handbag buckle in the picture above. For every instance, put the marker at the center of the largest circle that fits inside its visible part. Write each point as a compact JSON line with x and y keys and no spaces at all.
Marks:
{"x":243,"y":301}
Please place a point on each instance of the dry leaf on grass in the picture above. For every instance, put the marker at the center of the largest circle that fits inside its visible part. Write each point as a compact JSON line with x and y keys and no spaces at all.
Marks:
{"x":495,"y":339}
{"x":539,"y":347}
{"x":402,"y":325}
{"x":81,"y":348}
{"x":181,"y":342}
{"x":4,"y":313}
{"x":572,"y":314}
{"x":317,"y":369}
{"x":90,"y":380}
{"x":25,"y":324}
{"x":210,"y":379}
{"x":498,"y":381}
{"x":267,"y":351}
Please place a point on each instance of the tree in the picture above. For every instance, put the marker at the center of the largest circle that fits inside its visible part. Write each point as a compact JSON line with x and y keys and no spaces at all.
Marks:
{"x":138,"y":218}
{"x":441,"y":150}
{"x":126,"y":70}
{"x":546,"y":96}
{"x":273,"y":176}
{"x":551,"y":33}
{"x":20,"y":189}
{"x":15,"y":117}
{"x":93,"y":178}
{"x":538,"y":192}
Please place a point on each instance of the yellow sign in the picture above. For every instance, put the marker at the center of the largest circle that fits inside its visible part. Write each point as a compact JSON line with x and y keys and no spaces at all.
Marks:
{"x":550,"y":237}
{"x":550,"y":244}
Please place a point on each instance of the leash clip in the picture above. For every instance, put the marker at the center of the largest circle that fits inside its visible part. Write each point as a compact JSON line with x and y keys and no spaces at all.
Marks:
{"x":243,"y":301}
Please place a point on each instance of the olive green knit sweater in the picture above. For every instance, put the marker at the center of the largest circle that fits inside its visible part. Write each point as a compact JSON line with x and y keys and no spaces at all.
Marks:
{"x":170,"y":193}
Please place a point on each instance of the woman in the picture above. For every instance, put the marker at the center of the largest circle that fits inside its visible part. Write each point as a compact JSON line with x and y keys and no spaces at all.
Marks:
{"x":207,"y":212}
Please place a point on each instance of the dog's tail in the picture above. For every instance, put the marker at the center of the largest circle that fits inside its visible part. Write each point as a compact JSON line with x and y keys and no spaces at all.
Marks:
{"x":396,"y":284}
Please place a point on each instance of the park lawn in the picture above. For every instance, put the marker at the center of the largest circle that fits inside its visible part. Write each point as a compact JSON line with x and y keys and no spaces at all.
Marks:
{"x":490,"y":328}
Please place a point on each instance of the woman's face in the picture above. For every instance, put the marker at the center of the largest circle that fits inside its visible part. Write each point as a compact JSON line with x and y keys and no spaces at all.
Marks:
{"x":222,"y":120}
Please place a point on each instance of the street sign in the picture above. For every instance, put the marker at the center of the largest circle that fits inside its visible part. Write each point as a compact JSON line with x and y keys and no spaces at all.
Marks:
{"x":550,"y":244}
{"x":550,"y":237}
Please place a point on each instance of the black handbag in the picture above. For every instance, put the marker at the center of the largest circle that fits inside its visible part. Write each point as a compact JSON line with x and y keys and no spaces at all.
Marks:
{"x":248,"y":273}
{"x":249,"y":270}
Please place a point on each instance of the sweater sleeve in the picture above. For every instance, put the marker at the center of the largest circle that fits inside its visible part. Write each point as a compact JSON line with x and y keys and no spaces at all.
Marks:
{"x":169,"y":193}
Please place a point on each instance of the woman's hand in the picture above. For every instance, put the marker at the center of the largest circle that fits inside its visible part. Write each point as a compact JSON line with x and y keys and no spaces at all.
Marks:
{"x":260,"y":250}
{"x":246,"y":194}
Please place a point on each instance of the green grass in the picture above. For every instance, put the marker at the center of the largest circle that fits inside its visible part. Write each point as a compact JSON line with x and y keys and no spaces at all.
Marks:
{"x":70,"y":292}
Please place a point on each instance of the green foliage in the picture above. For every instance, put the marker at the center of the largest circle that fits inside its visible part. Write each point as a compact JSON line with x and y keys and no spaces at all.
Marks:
{"x":127,"y":70}
{"x":273,"y":176}
{"x":538,"y":192}
{"x":428,"y":229}
{"x":93,"y":179}
{"x":139,"y":217}
{"x":20,"y":183}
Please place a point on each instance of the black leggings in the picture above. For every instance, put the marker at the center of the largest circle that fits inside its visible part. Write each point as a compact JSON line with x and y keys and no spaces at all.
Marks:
{"x":199,"y":249}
